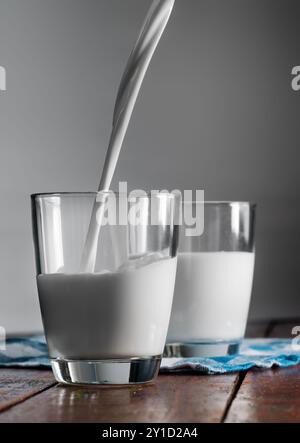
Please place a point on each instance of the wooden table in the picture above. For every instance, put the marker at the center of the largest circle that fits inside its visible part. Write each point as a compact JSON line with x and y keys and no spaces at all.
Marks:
{"x":28,"y":395}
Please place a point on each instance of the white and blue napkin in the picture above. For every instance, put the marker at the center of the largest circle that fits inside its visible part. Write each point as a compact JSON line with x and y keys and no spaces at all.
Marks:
{"x":259,"y":353}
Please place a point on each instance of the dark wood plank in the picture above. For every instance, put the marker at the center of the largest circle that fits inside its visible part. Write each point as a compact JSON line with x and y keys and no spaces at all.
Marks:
{"x":16,"y":385}
{"x":258,"y":328}
{"x":173,"y":398}
{"x":272,"y":395}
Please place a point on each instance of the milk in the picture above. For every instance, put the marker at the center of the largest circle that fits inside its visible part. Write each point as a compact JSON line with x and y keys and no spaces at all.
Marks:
{"x":212,"y":296}
{"x":108,"y":315}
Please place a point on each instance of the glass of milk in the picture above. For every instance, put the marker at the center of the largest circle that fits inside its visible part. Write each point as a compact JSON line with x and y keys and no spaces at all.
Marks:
{"x":108,"y":326}
{"x":214,"y":280}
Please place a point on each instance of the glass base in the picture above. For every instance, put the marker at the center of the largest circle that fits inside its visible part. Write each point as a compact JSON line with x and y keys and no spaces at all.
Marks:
{"x":106,"y":372}
{"x":202,"y":349}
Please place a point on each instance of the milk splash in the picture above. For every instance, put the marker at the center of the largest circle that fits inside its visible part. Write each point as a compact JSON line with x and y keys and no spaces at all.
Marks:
{"x":136,"y":68}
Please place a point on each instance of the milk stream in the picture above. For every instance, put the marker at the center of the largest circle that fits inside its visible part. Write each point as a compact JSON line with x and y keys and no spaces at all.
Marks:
{"x":136,"y":68}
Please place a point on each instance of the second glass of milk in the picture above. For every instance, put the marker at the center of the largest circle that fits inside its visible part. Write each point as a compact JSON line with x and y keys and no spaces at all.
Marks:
{"x":214,"y":281}
{"x":108,"y":324}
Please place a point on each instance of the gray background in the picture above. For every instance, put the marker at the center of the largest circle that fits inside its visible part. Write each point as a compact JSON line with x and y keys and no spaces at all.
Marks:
{"x":216,"y":112}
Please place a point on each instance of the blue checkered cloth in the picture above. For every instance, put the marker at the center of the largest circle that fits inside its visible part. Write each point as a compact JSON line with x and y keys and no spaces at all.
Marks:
{"x":28,"y":352}
{"x":259,"y":353}
{"x":254,"y":353}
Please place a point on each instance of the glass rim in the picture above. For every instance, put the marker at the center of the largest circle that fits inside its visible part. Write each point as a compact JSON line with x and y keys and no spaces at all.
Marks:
{"x":221,"y":202}
{"x":109,"y":192}
{"x":143,"y":195}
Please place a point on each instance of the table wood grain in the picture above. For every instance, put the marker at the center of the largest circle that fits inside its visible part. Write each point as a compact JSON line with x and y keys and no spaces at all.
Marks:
{"x":28,"y":395}
{"x":269,"y":396}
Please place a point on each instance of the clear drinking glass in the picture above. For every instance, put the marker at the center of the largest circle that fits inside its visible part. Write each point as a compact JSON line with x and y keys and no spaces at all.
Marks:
{"x":108,"y":325}
{"x":214,"y":281}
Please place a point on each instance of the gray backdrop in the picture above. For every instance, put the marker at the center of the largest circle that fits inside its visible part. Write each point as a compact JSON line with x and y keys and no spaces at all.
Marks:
{"x":216,"y":112}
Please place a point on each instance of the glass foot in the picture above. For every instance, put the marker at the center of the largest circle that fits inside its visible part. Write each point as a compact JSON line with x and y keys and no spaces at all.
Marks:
{"x":205,"y":349}
{"x":103,"y":372}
